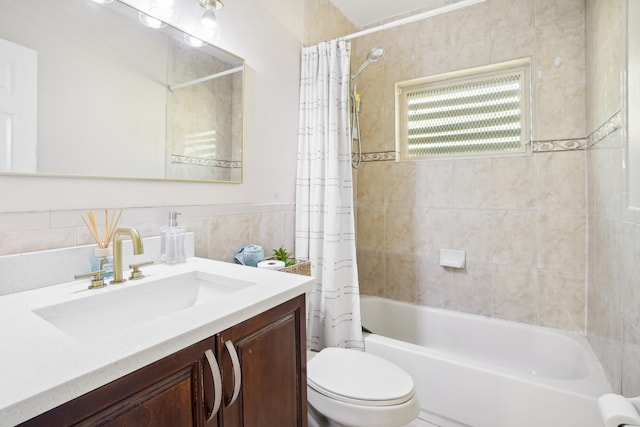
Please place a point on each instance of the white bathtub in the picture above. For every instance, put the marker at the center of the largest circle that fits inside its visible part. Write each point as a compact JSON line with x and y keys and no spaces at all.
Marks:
{"x":475,"y":371}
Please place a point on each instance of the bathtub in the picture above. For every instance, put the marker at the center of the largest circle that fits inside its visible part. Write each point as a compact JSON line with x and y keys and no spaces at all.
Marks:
{"x":475,"y":371}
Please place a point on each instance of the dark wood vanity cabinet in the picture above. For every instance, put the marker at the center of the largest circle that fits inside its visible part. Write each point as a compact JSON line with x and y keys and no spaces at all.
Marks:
{"x":268,"y":352}
{"x":271,"y":351}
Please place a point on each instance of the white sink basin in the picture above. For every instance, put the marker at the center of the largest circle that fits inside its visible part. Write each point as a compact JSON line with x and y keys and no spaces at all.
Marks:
{"x":129,"y":305}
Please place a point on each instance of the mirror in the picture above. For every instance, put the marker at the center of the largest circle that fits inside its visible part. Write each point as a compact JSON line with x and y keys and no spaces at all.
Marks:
{"x":86,"y":89}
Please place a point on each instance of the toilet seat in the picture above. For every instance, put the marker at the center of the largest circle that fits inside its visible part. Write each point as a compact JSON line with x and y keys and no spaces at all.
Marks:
{"x":359,"y":378}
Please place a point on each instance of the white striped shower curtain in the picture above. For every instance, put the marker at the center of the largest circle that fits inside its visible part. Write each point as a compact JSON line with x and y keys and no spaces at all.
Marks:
{"x":325,"y":230}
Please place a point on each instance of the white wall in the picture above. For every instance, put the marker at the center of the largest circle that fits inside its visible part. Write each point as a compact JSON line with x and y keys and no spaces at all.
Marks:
{"x":272,"y":57}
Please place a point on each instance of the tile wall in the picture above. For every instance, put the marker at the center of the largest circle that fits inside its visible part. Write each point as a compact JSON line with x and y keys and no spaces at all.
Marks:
{"x":521,"y":220}
{"x":219,"y":229}
{"x":613,"y":229}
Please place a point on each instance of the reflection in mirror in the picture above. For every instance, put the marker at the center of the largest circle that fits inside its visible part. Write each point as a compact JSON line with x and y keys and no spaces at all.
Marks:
{"x":86,"y":89}
{"x":633,"y":103}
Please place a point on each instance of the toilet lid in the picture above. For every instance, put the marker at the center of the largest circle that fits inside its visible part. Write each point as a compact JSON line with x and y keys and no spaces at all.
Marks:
{"x":361,"y":378}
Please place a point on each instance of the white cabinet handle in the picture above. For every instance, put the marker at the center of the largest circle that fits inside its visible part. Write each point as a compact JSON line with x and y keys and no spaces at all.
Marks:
{"x":237,"y":377}
{"x":217,"y":383}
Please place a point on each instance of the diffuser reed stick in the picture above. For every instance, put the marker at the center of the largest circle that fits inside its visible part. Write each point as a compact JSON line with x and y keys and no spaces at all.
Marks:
{"x":110,"y":225}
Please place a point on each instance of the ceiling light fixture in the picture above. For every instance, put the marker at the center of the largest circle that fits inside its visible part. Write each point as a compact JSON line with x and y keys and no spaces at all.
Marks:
{"x":102,"y":1}
{"x":209,"y":21}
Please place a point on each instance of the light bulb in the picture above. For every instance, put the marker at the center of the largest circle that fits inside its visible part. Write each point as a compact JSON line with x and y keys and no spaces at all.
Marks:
{"x":150,"y":22}
{"x":193,"y":41}
{"x":209,"y":20}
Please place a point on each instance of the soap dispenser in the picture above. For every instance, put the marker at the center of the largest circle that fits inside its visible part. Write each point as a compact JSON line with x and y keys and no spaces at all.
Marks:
{"x":172,"y":248}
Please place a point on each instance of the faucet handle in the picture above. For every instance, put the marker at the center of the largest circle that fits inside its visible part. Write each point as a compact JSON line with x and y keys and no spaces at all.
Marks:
{"x":96,"y":282}
{"x":136,"y":273}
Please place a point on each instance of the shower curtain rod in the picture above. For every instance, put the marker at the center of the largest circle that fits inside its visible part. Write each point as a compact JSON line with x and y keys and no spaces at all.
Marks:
{"x":409,"y":19}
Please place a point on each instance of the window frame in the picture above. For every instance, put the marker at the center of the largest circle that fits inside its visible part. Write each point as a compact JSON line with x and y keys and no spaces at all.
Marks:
{"x":522,"y":65}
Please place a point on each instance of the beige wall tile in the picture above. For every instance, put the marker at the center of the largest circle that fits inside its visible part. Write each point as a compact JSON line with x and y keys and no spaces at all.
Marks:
{"x":514,"y":239}
{"x":613,"y":280}
{"x":433,"y":33}
{"x":469,"y":24}
{"x":370,"y":229}
{"x":472,"y":53}
{"x":515,"y":293}
{"x":614,"y":59}
{"x":400,"y":273}
{"x":510,"y":14}
{"x":510,"y":43}
{"x":399,"y":184}
{"x":513,"y":183}
{"x":561,"y":182}
{"x":372,"y":125}
{"x":434,"y":183}
{"x":630,"y":356}
{"x":565,"y":40}
{"x":431,"y":62}
{"x":547,"y":11}
{"x":560,"y":120}
{"x":370,"y":177}
{"x":371,"y":272}
{"x":562,"y":242}
{"x":272,"y":230}
{"x":631,"y":274}
{"x":433,"y":231}
{"x":473,"y":231}
{"x":433,"y":282}
{"x":472,"y":183}
{"x":562,"y":300}
{"x":228,"y":234}
{"x":36,"y":240}
{"x":471,"y":289}
{"x":400,"y":230}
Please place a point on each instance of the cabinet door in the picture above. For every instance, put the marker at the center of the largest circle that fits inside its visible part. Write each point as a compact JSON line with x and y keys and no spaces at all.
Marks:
{"x":167,"y":393}
{"x":272,"y":358}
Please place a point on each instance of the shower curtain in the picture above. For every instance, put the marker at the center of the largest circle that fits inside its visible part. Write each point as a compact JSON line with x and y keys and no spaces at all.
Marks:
{"x":325,"y":230}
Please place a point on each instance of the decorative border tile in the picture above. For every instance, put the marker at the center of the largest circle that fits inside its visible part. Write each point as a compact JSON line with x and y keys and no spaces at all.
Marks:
{"x":195,"y":161}
{"x":610,"y":126}
{"x":558,"y":145}
{"x":376,"y":157}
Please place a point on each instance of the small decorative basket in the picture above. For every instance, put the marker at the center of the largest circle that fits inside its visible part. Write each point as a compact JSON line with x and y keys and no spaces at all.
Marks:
{"x":300,"y":267}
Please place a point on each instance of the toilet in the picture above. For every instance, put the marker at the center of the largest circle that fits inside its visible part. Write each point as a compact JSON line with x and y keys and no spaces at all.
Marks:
{"x":357,"y":389}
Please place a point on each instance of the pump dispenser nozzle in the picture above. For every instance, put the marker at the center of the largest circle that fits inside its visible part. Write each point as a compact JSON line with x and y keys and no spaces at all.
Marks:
{"x":173,"y":218}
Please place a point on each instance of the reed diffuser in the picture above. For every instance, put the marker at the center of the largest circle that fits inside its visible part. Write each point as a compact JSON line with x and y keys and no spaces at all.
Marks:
{"x":103,"y":254}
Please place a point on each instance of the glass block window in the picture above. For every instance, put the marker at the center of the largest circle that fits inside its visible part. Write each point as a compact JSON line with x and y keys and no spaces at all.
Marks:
{"x":484,"y":111}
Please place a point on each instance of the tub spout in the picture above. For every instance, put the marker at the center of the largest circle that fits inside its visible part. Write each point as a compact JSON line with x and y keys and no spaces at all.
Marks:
{"x":117,"y":250}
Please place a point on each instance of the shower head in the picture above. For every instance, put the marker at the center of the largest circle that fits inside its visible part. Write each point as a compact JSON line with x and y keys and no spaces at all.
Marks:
{"x":374,"y":54}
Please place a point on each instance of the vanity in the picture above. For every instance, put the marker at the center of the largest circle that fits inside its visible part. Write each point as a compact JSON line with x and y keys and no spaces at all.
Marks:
{"x":204,"y":343}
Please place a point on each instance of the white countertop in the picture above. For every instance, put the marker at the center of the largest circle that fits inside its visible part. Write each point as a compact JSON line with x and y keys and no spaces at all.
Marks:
{"x":42,"y":367}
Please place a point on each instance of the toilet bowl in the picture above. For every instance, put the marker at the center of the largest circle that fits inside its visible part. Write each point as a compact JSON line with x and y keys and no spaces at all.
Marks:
{"x":357,"y":389}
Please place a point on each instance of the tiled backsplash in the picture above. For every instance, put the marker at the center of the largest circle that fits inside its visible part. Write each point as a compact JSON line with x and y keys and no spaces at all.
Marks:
{"x":220,"y":230}
{"x":32,"y":270}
